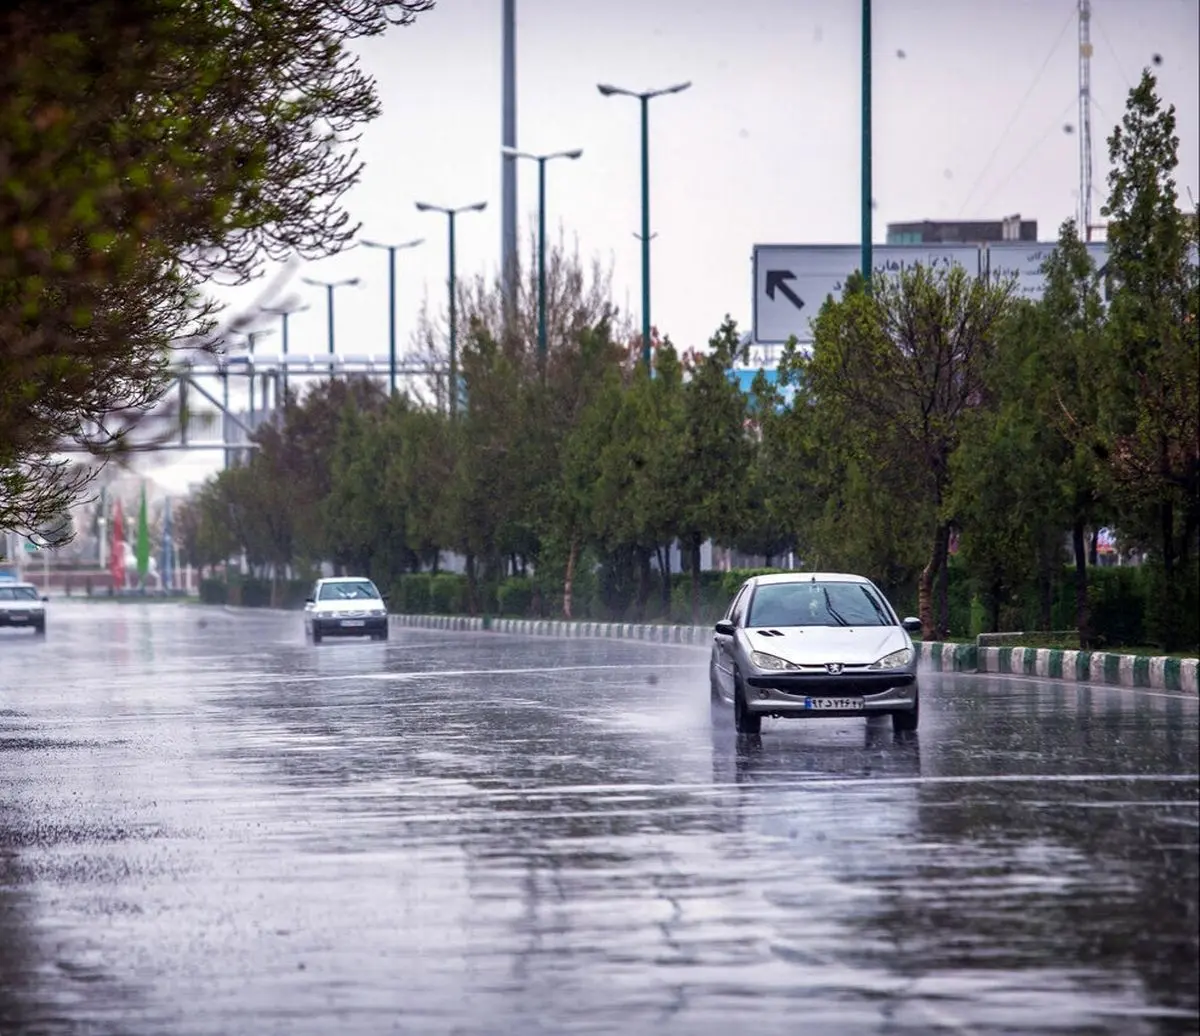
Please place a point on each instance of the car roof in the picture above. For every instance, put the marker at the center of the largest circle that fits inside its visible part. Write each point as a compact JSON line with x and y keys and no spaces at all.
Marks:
{"x":808,"y":577}
{"x":345,"y":579}
{"x":23,"y":585}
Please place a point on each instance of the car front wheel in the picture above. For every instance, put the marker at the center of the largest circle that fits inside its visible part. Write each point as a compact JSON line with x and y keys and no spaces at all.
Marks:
{"x":906,"y":722}
{"x":744,"y":721}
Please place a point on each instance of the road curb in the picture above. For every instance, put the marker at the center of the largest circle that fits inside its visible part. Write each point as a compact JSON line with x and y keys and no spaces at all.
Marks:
{"x":1096,"y":667}
{"x":694,"y":635}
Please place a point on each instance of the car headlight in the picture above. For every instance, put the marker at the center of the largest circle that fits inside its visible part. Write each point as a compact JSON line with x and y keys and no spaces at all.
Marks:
{"x":896,"y":660}
{"x":765,"y":661}
{"x":378,"y":611}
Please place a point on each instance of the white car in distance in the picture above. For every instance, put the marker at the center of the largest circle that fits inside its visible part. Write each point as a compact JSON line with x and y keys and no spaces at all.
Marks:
{"x":346,"y":606}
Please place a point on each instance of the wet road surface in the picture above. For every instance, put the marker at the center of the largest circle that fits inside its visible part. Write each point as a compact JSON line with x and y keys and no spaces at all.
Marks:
{"x":208,"y":826}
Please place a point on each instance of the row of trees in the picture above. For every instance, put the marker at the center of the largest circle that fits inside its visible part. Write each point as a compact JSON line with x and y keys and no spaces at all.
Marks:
{"x":149,"y":146}
{"x":933,"y":408}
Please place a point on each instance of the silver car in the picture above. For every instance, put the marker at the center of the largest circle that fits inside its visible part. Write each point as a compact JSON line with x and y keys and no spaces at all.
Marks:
{"x":814,"y":644}
{"x":22,"y":605}
{"x":345,"y":607}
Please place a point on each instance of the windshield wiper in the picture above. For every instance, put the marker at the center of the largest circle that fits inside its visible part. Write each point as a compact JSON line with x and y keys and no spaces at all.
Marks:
{"x":832,"y":610}
{"x":883,"y":619}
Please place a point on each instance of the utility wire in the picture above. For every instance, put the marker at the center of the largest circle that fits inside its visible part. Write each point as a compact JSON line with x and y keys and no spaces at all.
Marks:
{"x":1111,"y":49}
{"x":1020,"y":107}
{"x":1056,"y":125}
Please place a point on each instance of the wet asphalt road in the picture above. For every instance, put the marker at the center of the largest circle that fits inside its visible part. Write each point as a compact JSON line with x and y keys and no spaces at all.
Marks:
{"x":208,"y":826}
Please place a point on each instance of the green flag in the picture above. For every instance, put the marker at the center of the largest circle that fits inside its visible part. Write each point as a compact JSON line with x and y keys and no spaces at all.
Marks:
{"x":143,"y":541}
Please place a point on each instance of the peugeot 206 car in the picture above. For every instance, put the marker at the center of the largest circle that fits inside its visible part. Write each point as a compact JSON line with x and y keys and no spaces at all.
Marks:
{"x":813,"y":644}
{"x":22,"y":605}
{"x":345,"y":607}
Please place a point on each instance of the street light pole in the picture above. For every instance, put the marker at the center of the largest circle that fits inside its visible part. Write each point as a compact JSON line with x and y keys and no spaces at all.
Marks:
{"x":284,"y":314}
{"x":329,"y":287}
{"x":644,"y":97}
{"x":391,"y":251}
{"x":867,"y":215}
{"x":450,"y":214}
{"x":541,"y":161}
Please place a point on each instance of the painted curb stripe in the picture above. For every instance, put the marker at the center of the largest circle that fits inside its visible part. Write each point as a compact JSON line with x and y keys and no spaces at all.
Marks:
{"x":1102,"y":667}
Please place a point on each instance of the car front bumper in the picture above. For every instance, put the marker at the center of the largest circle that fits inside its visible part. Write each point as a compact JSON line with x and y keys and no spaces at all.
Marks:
{"x":28,"y":618}
{"x":808,"y":695}
{"x":357,"y":626}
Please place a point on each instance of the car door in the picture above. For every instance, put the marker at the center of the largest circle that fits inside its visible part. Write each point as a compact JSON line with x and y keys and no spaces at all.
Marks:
{"x":723,"y":642}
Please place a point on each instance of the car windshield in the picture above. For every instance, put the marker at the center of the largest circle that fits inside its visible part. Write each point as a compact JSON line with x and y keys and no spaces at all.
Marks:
{"x":18,"y":593}
{"x":817,"y":604}
{"x":351,"y":590}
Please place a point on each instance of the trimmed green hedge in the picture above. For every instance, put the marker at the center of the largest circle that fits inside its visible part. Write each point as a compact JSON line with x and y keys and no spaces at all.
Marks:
{"x":1126,"y":601}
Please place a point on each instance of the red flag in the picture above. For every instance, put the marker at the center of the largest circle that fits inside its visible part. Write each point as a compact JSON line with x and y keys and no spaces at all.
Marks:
{"x":116,"y":562}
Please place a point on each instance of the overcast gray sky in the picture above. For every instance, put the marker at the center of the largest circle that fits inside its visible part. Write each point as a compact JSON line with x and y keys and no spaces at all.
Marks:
{"x":970,"y":103}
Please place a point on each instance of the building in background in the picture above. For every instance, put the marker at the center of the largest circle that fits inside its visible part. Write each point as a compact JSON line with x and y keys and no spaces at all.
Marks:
{"x":970,"y":232}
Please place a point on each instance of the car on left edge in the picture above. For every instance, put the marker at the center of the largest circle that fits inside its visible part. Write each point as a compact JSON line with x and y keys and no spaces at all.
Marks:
{"x":345,"y":606}
{"x":22,"y":605}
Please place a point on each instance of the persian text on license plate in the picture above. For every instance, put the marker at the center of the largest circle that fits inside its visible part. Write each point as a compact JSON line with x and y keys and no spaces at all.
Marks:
{"x":353,"y":622}
{"x":833,"y":703}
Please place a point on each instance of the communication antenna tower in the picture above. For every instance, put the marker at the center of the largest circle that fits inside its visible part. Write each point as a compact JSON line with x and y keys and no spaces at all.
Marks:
{"x":1085,"y":119}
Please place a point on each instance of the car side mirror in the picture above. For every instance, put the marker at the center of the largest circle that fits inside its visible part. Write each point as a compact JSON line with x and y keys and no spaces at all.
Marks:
{"x":725,"y":628}
{"x":309,"y":600}
{"x":45,"y":599}
{"x":912,"y":625}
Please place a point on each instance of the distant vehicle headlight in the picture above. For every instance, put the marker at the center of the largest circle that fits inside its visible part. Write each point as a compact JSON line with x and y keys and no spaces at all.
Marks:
{"x":896,"y":660}
{"x":765,"y":661}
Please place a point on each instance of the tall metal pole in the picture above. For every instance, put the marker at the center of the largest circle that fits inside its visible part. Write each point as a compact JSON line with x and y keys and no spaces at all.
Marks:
{"x":225,"y":412}
{"x":453,"y":401}
{"x":867,"y":215}
{"x":391,"y":321}
{"x":542,"y":348}
{"x":1085,"y":120}
{"x":450,"y":214}
{"x":284,"y":315}
{"x":329,"y":322}
{"x":645,"y":230}
{"x":508,"y":186}
{"x":645,"y":98}
{"x":284,"y":354}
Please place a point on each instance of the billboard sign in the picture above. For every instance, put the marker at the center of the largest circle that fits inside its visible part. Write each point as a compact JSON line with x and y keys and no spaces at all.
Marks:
{"x":1024,"y":259}
{"x":791,"y":282}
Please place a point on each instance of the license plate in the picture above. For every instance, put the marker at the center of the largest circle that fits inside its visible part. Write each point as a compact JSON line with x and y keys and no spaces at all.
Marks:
{"x":18,"y":616}
{"x":833,"y":703}
{"x":353,"y":622}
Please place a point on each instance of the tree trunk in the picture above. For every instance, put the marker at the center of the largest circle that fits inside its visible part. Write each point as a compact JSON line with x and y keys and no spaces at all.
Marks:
{"x":1094,"y":548}
{"x":643,"y":583}
{"x":569,"y":579}
{"x":997,"y":597}
{"x":1045,"y":581}
{"x":929,"y":574}
{"x":1170,"y":595}
{"x":665,"y":569}
{"x":1083,"y":616}
{"x":943,"y":602}
{"x":472,"y":585}
{"x":694,"y":564}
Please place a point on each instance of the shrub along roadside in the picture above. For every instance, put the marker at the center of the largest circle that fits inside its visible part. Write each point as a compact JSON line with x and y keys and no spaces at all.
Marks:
{"x":1121,"y":601}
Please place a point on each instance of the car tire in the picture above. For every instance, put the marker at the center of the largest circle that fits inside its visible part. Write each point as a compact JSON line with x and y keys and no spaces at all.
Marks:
{"x":380,"y":636}
{"x":906,"y":722}
{"x":39,"y":628}
{"x":744,"y":721}
{"x":316,"y":633}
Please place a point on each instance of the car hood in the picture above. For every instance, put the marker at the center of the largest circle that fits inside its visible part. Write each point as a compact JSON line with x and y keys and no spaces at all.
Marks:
{"x":818,"y":645}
